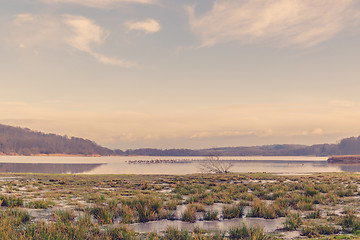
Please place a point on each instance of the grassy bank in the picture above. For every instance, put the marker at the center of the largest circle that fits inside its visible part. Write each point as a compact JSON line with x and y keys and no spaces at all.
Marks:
{"x":41,"y":206}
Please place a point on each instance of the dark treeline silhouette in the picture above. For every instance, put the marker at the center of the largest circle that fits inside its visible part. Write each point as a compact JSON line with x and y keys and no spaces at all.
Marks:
{"x":347,"y":146}
{"x":160,"y":152}
{"x":23,"y":141}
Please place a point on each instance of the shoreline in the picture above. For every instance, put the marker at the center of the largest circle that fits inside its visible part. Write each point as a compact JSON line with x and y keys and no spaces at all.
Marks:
{"x":344,"y":159}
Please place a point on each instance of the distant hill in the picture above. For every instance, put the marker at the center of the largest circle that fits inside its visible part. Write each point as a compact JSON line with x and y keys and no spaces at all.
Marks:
{"x":23,"y":141}
{"x":347,"y":146}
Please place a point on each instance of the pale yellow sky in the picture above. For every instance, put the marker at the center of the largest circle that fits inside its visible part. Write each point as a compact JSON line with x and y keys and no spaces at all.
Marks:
{"x":194,"y":74}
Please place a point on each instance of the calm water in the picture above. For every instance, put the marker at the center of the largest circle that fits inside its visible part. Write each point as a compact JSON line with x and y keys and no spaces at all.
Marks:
{"x":182,"y":165}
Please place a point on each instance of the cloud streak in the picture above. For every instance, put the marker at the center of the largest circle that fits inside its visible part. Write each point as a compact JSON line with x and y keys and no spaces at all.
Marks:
{"x":78,"y":32}
{"x":303,"y":23}
{"x":85,"y":33}
{"x":99,"y":3}
{"x":266,"y":123}
{"x":148,"y":26}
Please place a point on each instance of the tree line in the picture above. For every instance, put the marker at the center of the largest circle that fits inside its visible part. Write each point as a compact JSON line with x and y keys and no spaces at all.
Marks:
{"x":23,"y":141}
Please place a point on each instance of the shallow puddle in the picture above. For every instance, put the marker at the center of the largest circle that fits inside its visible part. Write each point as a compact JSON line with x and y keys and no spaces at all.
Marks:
{"x":268,"y":225}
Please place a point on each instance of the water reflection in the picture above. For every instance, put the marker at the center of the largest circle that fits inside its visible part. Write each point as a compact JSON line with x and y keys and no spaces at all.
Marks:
{"x":46,"y":168}
{"x":349,"y":167}
{"x":269,"y":225}
{"x":167,"y":165}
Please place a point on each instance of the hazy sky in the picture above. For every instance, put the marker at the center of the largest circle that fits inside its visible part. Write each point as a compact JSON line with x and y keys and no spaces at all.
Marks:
{"x":190,"y":73}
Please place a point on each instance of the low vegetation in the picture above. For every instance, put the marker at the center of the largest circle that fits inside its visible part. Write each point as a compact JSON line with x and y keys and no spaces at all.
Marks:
{"x":104,"y":206}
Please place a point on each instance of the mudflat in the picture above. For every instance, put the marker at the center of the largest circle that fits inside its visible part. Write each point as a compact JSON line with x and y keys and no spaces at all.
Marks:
{"x":196,"y":206}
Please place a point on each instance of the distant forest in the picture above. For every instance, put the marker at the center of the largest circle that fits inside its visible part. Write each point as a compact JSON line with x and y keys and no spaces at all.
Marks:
{"x":23,"y":141}
{"x":347,"y":146}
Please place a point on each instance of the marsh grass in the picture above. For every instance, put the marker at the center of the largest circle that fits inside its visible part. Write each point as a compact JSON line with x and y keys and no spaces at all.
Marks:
{"x":147,"y":207}
{"x":15,"y":216}
{"x":172,"y":204}
{"x":261,"y":210}
{"x":350,"y":222}
{"x":314,"y":215}
{"x":189,"y":214}
{"x":11,"y":201}
{"x":64,"y":215}
{"x":172,"y":233}
{"x":40,"y":204}
{"x":292,"y":222}
{"x":122,"y":233}
{"x":103,"y":214}
{"x":316,"y":230}
{"x":211,"y":215}
{"x":234,"y":211}
{"x":129,"y":198}
{"x":244,"y":232}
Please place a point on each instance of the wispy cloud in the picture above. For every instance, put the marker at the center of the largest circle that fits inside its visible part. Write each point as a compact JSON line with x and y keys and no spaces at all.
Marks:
{"x":148,"y":26}
{"x":100,"y":3}
{"x":85,"y":33}
{"x":240,"y":125}
{"x":303,"y":23}
{"x":78,"y":32}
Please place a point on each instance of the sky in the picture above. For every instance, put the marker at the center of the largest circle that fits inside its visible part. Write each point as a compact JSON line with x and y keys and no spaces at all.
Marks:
{"x":182,"y":74}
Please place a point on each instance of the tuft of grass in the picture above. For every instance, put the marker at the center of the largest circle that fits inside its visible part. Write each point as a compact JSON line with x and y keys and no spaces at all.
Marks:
{"x":234,"y":211}
{"x":172,"y":233}
{"x":244,"y":232}
{"x":172,"y":204}
{"x":314,"y":215}
{"x":40,"y":204}
{"x":293,"y":222}
{"x":317,"y":230}
{"x":121,"y":233}
{"x":15,"y":216}
{"x":189,"y":214}
{"x":211,"y":215}
{"x":64,"y":216}
{"x":11,"y":201}
{"x":148,"y":208}
{"x":261,"y":210}
{"x":350,"y":222}
{"x":126,"y":214}
{"x":102,"y":214}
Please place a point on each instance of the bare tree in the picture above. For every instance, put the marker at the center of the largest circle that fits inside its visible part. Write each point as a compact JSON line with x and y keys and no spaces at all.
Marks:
{"x":214,"y":164}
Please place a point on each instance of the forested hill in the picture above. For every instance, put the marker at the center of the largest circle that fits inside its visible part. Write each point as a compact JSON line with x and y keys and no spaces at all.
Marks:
{"x":347,"y":146}
{"x":23,"y":141}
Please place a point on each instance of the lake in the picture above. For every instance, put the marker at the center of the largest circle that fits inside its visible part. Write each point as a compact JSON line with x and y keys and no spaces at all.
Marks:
{"x":167,"y":165}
